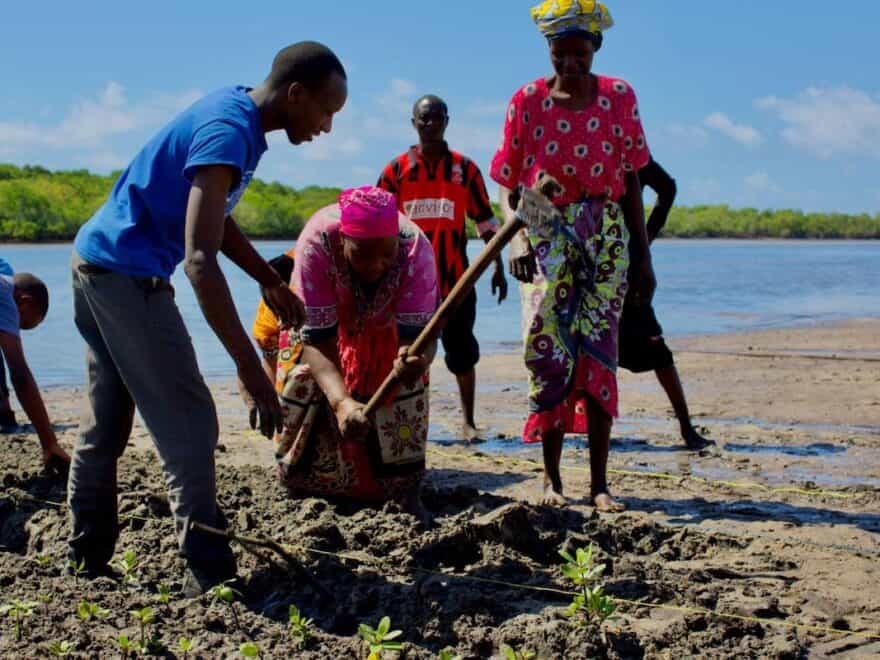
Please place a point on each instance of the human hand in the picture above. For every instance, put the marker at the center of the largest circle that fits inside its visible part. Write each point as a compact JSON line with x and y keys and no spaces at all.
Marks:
{"x":499,"y":282}
{"x":353,"y":424}
{"x":261,"y":400}
{"x":285,"y":305}
{"x":522,"y":263}
{"x":409,"y":368}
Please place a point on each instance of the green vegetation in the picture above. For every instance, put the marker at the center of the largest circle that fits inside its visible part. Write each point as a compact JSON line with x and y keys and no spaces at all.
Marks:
{"x":39,"y":205}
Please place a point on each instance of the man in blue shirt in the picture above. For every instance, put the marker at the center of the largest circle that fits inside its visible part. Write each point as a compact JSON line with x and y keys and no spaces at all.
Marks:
{"x":24,"y":302}
{"x":172,"y":204}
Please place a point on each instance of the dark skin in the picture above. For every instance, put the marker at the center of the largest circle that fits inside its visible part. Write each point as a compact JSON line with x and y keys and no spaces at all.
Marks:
{"x":302,"y":113}
{"x":369,"y":260}
{"x":26,"y":388}
{"x":430,"y":119}
{"x":573,"y":86}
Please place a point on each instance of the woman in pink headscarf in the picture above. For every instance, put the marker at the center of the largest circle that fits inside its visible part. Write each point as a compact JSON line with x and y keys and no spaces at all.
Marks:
{"x":367,"y":278}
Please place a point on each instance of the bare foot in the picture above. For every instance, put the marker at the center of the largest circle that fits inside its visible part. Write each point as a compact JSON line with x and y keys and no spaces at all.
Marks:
{"x":471,"y":435}
{"x":553,"y":496}
{"x":606,"y":504}
{"x":694,"y":441}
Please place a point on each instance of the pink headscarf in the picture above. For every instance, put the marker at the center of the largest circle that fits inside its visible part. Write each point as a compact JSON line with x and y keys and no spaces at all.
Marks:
{"x":368,"y":212}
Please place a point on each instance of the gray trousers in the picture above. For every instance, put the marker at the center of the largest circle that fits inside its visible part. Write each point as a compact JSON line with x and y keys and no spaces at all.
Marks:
{"x":140,"y":354}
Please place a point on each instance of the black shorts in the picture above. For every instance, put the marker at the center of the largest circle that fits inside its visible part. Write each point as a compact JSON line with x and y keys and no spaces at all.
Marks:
{"x":459,"y":343}
{"x":641,"y":345}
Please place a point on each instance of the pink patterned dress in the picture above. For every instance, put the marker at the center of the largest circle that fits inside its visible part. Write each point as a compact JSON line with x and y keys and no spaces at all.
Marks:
{"x":571,"y":309}
{"x":368,"y":324}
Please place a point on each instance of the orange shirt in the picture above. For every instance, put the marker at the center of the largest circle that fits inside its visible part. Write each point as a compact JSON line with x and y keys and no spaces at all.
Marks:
{"x":437,"y":196}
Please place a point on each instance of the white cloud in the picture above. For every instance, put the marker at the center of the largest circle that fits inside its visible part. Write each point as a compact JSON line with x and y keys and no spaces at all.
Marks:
{"x":830,"y":121}
{"x":104,"y":160}
{"x":92,"y":120}
{"x":760,"y":182}
{"x":742,"y":133}
{"x":399,"y":97}
{"x":688,"y":134}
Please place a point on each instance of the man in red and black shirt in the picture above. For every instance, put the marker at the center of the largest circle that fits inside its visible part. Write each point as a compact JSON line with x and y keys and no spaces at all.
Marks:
{"x":437,"y":188}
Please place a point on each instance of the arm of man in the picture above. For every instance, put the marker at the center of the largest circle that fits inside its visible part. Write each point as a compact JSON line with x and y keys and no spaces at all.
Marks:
{"x":641,"y":271}
{"x":657,"y":179}
{"x":323,"y":359}
{"x":29,"y":396}
{"x":480,"y":211}
{"x":283,"y":302}
{"x":205,"y":224}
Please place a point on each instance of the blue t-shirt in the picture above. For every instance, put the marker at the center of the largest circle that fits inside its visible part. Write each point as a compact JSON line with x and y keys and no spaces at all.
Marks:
{"x":8,"y":309}
{"x":140,"y":229}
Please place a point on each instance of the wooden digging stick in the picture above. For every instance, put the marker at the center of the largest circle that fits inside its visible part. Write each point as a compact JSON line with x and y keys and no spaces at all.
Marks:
{"x":529,"y":213}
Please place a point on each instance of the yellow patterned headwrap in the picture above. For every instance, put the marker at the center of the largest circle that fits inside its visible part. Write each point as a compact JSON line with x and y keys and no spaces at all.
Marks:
{"x":557,"y":17}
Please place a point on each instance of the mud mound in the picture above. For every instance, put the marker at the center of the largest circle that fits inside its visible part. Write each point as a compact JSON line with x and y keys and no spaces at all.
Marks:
{"x":373,"y":562}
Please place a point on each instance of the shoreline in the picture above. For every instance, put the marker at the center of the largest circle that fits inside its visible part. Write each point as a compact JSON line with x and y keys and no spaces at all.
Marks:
{"x":777,"y":524}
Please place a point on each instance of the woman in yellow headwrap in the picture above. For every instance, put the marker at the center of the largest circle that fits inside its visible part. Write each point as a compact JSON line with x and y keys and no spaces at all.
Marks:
{"x":584,"y":130}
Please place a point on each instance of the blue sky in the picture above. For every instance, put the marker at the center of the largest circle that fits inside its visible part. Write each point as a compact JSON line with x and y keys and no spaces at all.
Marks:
{"x":750,"y":103}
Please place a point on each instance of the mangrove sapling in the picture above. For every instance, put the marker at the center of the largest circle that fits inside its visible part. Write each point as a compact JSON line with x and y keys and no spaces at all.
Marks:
{"x":43,"y":561}
{"x":127,"y":646}
{"x":300,"y":626}
{"x":163,"y":595}
{"x":591,"y":603}
{"x":61,"y":649}
{"x":144,"y":617}
{"x":517,"y":654}
{"x":128,"y":566}
{"x":224,"y":593}
{"x":448,"y":654}
{"x":249,"y":650}
{"x":185,"y":645}
{"x":88,"y":611}
{"x":19,"y":610}
{"x":379,"y":639}
{"x":45,"y":599}
{"x":77,"y":568}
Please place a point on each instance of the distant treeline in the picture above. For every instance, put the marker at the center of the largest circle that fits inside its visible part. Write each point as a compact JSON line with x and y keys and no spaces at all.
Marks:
{"x":39,"y":205}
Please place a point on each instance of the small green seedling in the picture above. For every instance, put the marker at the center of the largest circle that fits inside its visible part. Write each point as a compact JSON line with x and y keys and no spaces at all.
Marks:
{"x":45,"y":599}
{"x":591,"y":603}
{"x":300,"y":626}
{"x":127,"y":646}
{"x":185,"y":645}
{"x":249,"y":650}
{"x":224,"y":593}
{"x":128,"y":566}
{"x":77,"y":568}
{"x":61,"y":649}
{"x":145,"y":617}
{"x":517,"y":654}
{"x":19,"y":610}
{"x":89,"y":611}
{"x":447,"y":654}
{"x":42,"y":561}
{"x":163,"y":595}
{"x":379,"y":639}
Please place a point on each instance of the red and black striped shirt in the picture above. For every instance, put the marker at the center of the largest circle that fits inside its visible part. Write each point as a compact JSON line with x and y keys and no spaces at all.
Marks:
{"x":438,"y":195}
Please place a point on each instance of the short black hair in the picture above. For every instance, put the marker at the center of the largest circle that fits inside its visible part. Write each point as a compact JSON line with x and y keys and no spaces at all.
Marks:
{"x":306,"y":62}
{"x":433,"y":99}
{"x":35,"y":288}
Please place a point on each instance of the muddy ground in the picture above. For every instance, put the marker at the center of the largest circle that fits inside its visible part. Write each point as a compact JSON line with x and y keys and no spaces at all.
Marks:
{"x":778,"y":527}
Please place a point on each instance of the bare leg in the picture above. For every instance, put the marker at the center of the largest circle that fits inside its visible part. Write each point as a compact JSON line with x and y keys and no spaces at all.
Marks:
{"x":599,"y":423}
{"x":552,"y":446}
{"x":671,"y":383}
{"x":467,"y":385}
